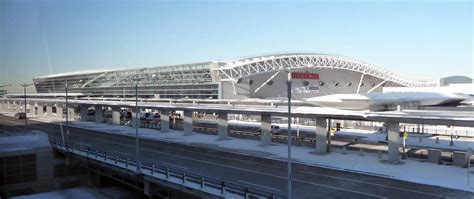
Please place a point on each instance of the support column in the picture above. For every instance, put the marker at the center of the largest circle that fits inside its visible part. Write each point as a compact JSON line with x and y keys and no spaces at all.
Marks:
{"x":83,"y":109}
{"x":49,"y":110}
{"x":9,"y":106}
{"x":134,"y":117}
{"x":222,"y":126}
{"x":15,"y":108}
{"x":22,"y":107}
{"x":70,"y":111}
{"x":32,"y":106}
{"x":393,"y":142}
{"x":99,"y":114}
{"x":321,"y":132}
{"x":188,"y":122}
{"x":59,"y":111}
{"x":164,"y":120}
{"x":116,"y":115}
{"x":41,"y":110}
{"x":266,"y":129}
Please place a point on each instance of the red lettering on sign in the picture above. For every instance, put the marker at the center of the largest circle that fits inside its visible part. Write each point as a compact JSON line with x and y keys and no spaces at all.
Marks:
{"x":305,"y":75}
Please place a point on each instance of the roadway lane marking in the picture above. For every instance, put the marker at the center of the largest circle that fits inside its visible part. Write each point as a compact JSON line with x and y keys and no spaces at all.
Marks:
{"x":173,"y":165}
{"x":121,"y":153}
{"x":252,"y":171}
{"x":257,"y":185}
{"x":184,"y":157}
{"x":148,"y":142}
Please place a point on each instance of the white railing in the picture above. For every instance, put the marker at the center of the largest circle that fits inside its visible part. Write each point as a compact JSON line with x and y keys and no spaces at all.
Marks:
{"x":173,"y":175}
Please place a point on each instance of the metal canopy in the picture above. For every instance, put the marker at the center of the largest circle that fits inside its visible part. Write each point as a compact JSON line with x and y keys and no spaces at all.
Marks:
{"x":237,"y":69}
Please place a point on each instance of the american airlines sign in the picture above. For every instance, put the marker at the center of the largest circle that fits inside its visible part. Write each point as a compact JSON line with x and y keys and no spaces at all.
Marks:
{"x":305,"y":75}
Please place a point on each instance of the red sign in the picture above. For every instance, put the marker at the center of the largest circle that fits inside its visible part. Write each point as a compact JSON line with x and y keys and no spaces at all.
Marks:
{"x":305,"y":75}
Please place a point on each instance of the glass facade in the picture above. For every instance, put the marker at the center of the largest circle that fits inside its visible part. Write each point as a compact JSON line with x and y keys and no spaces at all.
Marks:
{"x":179,"y":81}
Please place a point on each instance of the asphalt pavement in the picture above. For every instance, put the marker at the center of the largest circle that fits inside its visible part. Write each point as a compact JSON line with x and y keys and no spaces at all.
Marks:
{"x":256,"y":172}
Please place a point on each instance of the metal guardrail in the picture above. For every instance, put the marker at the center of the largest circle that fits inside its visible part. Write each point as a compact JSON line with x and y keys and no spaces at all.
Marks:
{"x":170,"y":174}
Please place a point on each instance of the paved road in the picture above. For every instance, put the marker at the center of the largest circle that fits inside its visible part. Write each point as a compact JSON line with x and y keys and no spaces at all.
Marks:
{"x":260,"y":173}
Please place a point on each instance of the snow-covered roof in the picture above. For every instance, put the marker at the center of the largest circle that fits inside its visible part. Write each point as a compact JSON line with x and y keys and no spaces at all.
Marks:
{"x":23,"y":141}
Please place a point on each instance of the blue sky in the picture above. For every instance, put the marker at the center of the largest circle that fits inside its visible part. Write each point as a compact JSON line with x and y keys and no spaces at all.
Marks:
{"x":417,"y":39}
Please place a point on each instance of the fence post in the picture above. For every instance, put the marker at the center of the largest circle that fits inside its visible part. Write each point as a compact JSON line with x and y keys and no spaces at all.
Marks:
{"x":152,"y":168}
{"x":202,"y":182}
{"x":167,"y":173}
{"x":184,"y":177}
{"x":116,"y":159}
{"x":222,"y":188}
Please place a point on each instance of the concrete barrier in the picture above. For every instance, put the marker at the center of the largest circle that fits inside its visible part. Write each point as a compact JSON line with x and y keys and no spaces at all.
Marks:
{"x":434,"y":156}
{"x":459,"y":158}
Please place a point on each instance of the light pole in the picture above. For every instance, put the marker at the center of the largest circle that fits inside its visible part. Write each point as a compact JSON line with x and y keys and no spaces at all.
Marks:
{"x":289,"y":194}
{"x":24,"y":103}
{"x":67,"y":115}
{"x":137,"y":153}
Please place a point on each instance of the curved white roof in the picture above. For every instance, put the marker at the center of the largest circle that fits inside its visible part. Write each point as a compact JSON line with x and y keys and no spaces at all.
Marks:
{"x":236,"y":69}
{"x":83,"y":72}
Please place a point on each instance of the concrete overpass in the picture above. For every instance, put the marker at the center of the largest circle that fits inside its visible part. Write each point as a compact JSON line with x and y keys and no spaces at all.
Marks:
{"x":255,"y":172}
{"x":392,"y":118}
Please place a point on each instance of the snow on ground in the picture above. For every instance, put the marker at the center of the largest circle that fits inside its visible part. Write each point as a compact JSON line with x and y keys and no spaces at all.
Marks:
{"x":461,"y":143}
{"x":416,"y":140}
{"x":412,"y":170}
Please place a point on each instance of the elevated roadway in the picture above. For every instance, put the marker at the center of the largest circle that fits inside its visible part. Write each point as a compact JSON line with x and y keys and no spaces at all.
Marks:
{"x":265,"y":174}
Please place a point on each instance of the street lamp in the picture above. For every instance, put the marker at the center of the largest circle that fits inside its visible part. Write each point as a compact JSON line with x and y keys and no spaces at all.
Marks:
{"x":137,"y":146}
{"x":24,"y":104}
{"x":289,"y":194}
{"x":67,"y":115}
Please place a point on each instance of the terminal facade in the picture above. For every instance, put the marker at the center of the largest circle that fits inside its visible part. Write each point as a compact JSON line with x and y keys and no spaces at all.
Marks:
{"x":255,"y":77}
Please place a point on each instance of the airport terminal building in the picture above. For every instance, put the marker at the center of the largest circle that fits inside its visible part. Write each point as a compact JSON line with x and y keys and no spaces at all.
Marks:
{"x":254,"y":77}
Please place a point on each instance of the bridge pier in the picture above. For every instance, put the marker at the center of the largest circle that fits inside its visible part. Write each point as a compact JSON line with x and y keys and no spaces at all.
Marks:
{"x":70,"y":112}
{"x":266,"y":129}
{"x":321,"y":136}
{"x":41,"y":111}
{"x":164,"y":120}
{"x":99,"y":114}
{"x":21,"y":105}
{"x":116,"y":115}
{"x":188,"y":122}
{"x":2,"y":106}
{"x":135,"y":122}
{"x":14,"y":106}
{"x":222,"y":126}
{"x":32,"y":109}
{"x":59,"y":111}
{"x":83,"y":112}
{"x":49,"y":110}
{"x":393,"y":142}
